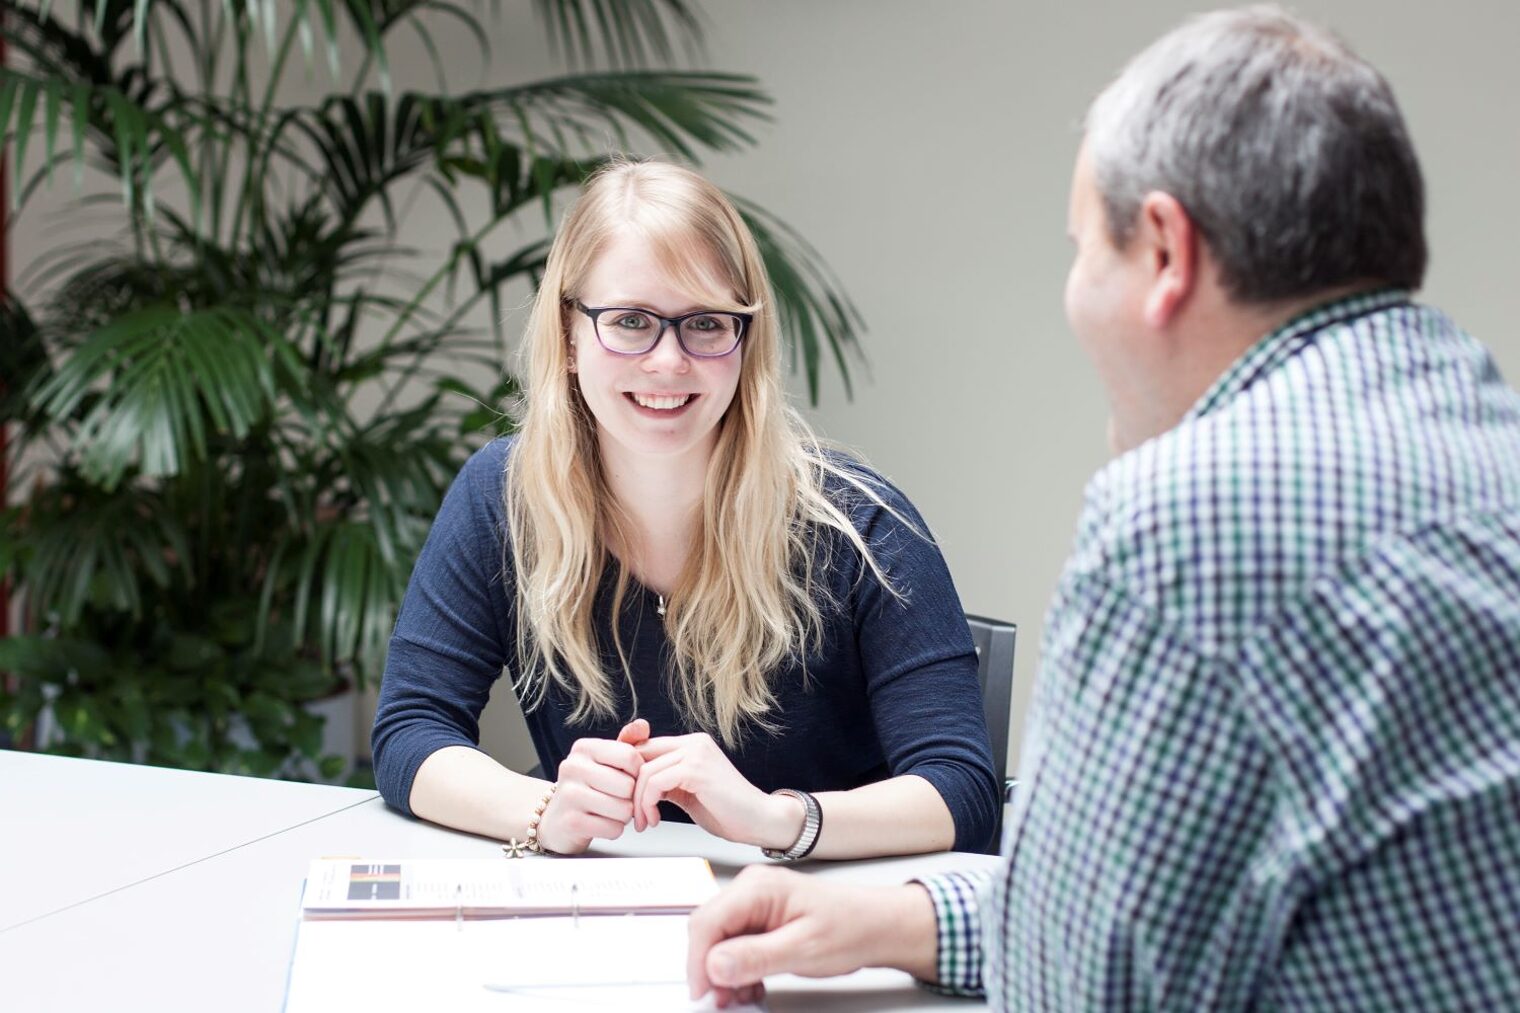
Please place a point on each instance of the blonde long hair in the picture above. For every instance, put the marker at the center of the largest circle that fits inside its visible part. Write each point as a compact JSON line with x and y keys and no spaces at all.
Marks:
{"x":750,"y":596}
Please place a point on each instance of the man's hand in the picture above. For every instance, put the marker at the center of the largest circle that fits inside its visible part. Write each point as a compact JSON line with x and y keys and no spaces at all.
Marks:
{"x":595,"y":794}
{"x":774,"y":921}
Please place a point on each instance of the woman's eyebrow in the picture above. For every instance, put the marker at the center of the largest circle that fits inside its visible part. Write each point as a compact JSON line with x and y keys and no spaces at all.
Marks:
{"x":627,"y":302}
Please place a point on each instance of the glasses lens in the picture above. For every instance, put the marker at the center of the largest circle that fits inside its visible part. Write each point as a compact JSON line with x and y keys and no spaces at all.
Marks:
{"x":711,"y":333}
{"x":627,"y":330}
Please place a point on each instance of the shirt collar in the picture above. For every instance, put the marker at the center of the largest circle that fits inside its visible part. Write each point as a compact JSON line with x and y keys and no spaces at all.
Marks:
{"x":1285,"y":342}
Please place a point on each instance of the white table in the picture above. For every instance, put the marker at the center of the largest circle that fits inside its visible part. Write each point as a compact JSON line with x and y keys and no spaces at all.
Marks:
{"x":217,"y":932}
{"x":72,"y":830}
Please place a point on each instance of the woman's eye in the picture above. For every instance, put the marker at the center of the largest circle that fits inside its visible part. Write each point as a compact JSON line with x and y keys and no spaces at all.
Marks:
{"x":703,"y":324}
{"x":631,"y":321}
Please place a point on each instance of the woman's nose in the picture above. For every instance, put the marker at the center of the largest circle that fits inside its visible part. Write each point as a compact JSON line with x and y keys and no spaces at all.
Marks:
{"x":667,"y":353}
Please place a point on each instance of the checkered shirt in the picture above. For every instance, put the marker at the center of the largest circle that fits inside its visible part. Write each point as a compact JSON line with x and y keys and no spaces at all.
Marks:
{"x":1273,"y":759}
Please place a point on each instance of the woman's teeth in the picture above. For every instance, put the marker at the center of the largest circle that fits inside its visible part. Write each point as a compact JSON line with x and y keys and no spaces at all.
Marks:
{"x":661,"y":403}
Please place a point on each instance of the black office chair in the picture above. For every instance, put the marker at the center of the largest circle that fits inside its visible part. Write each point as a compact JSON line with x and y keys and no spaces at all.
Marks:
{"x":995,"y":641}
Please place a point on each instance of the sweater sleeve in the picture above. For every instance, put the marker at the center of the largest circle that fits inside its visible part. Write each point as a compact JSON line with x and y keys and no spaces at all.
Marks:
{"x":449,"y":644}
{"x":919,"y":664}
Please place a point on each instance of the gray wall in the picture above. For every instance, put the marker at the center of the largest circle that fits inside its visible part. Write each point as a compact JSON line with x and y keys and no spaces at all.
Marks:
{"x":925,"y":149}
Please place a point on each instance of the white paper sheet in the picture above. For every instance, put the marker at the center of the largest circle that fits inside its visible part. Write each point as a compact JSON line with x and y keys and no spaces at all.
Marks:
{"x":623,"y":962}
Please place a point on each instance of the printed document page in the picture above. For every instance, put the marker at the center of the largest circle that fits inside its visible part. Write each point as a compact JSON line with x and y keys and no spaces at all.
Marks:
{"x":437,"y":888}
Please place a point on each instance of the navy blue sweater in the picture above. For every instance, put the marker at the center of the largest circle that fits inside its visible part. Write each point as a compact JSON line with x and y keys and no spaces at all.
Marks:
{"x":892,"y":691}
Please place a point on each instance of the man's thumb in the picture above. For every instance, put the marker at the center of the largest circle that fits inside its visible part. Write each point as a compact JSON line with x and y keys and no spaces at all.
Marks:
{"x":738,"y":962}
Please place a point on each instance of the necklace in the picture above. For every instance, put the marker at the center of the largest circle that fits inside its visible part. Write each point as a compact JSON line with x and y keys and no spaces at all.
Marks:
{"x":659,"y":608}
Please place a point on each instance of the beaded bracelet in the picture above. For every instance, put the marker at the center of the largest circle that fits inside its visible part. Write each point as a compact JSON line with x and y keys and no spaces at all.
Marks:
{"x":515,"y":848}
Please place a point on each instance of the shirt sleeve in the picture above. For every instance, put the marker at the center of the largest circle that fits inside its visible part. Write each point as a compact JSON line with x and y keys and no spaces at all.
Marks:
{"x":919,"y":664}
{"x":449,"y":645}
{"x":959,"y":899}
{"x":1392,"y":698}
{"x":1139,"y":841}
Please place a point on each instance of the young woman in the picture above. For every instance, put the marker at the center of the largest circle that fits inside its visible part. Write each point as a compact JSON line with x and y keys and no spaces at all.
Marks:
{"x":697,"y":604}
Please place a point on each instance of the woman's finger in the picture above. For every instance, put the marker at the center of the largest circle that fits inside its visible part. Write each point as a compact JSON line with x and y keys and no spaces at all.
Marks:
{"x":583,"y":798}
{"x":598,"y":827}
{"x":634,"y":732}
{"x":646,"y":801}
{"x":659,"y":786}
{"x":659,"y":746}
{"x":608,"y":780}
{"x":610,"y":752}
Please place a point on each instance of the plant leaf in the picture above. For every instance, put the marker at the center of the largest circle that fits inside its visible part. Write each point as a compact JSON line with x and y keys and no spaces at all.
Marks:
{"x":24,"y":114}
{"x":156,"y":385}
{"x":630,"y":33}
{"x":811,"y":307}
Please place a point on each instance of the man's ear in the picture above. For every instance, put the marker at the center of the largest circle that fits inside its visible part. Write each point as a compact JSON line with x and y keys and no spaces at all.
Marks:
{"x":1171,"y":246}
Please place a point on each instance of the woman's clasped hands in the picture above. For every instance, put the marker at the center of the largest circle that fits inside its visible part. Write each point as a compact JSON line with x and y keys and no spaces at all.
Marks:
{"x":604,"y":784}
{"x":594,"y":794}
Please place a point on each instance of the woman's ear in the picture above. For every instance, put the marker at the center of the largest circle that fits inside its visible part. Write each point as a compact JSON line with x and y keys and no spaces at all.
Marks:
{"x":566,"y":330}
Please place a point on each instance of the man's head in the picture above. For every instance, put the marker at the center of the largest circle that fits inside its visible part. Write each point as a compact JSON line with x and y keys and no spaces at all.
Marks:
{"x":1287,"y":150}
{"x":1245,"y":165}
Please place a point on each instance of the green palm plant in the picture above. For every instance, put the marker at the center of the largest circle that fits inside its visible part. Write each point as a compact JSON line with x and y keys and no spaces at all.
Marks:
{"x":243,"y":410}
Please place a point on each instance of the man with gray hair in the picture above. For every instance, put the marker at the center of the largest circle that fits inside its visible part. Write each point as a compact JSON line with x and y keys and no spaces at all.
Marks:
{"x":1274,"y":753}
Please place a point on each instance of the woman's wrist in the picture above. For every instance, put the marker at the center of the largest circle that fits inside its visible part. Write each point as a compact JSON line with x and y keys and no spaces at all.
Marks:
{"x":533,"y":836}
{"x":781,"y":820}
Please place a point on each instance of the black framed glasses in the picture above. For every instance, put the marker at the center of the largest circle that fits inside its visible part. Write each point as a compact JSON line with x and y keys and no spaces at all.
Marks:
{"x":628,"y":330}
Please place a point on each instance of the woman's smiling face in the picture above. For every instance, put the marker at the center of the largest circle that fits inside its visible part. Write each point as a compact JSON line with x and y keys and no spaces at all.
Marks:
{"x":663,"y":402}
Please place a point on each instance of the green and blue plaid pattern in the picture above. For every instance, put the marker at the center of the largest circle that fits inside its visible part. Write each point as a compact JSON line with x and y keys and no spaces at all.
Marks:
{"x":1273,"y":759}
{"x":959,"y":898}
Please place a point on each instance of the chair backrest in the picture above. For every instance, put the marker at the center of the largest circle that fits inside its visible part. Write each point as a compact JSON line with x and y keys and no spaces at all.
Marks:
{"x":995,"y":641}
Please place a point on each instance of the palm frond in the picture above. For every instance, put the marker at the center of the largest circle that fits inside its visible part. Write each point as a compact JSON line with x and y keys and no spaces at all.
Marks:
{"x":629,"y":33}
{"x":89,"y":550}
{"x":53,"y":659}
{"x":363,"y":15}
{"x":132,"y":138}
{"x":155,"y":378}
{"x":343,"y":570}
{"x":396,"y":466}
{"x":683,"y":113}
{"x":810,"y":303}
{"x":56,"y":50}
{"x":308,"y":17}
{"x":524,"y":142}
{"x":366,"y":144}
{"x":24,"y":362}
{"x":19,"y":95}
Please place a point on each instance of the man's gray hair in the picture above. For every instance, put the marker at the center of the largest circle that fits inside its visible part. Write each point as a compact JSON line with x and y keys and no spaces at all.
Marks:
{"x":1287,"y":150}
